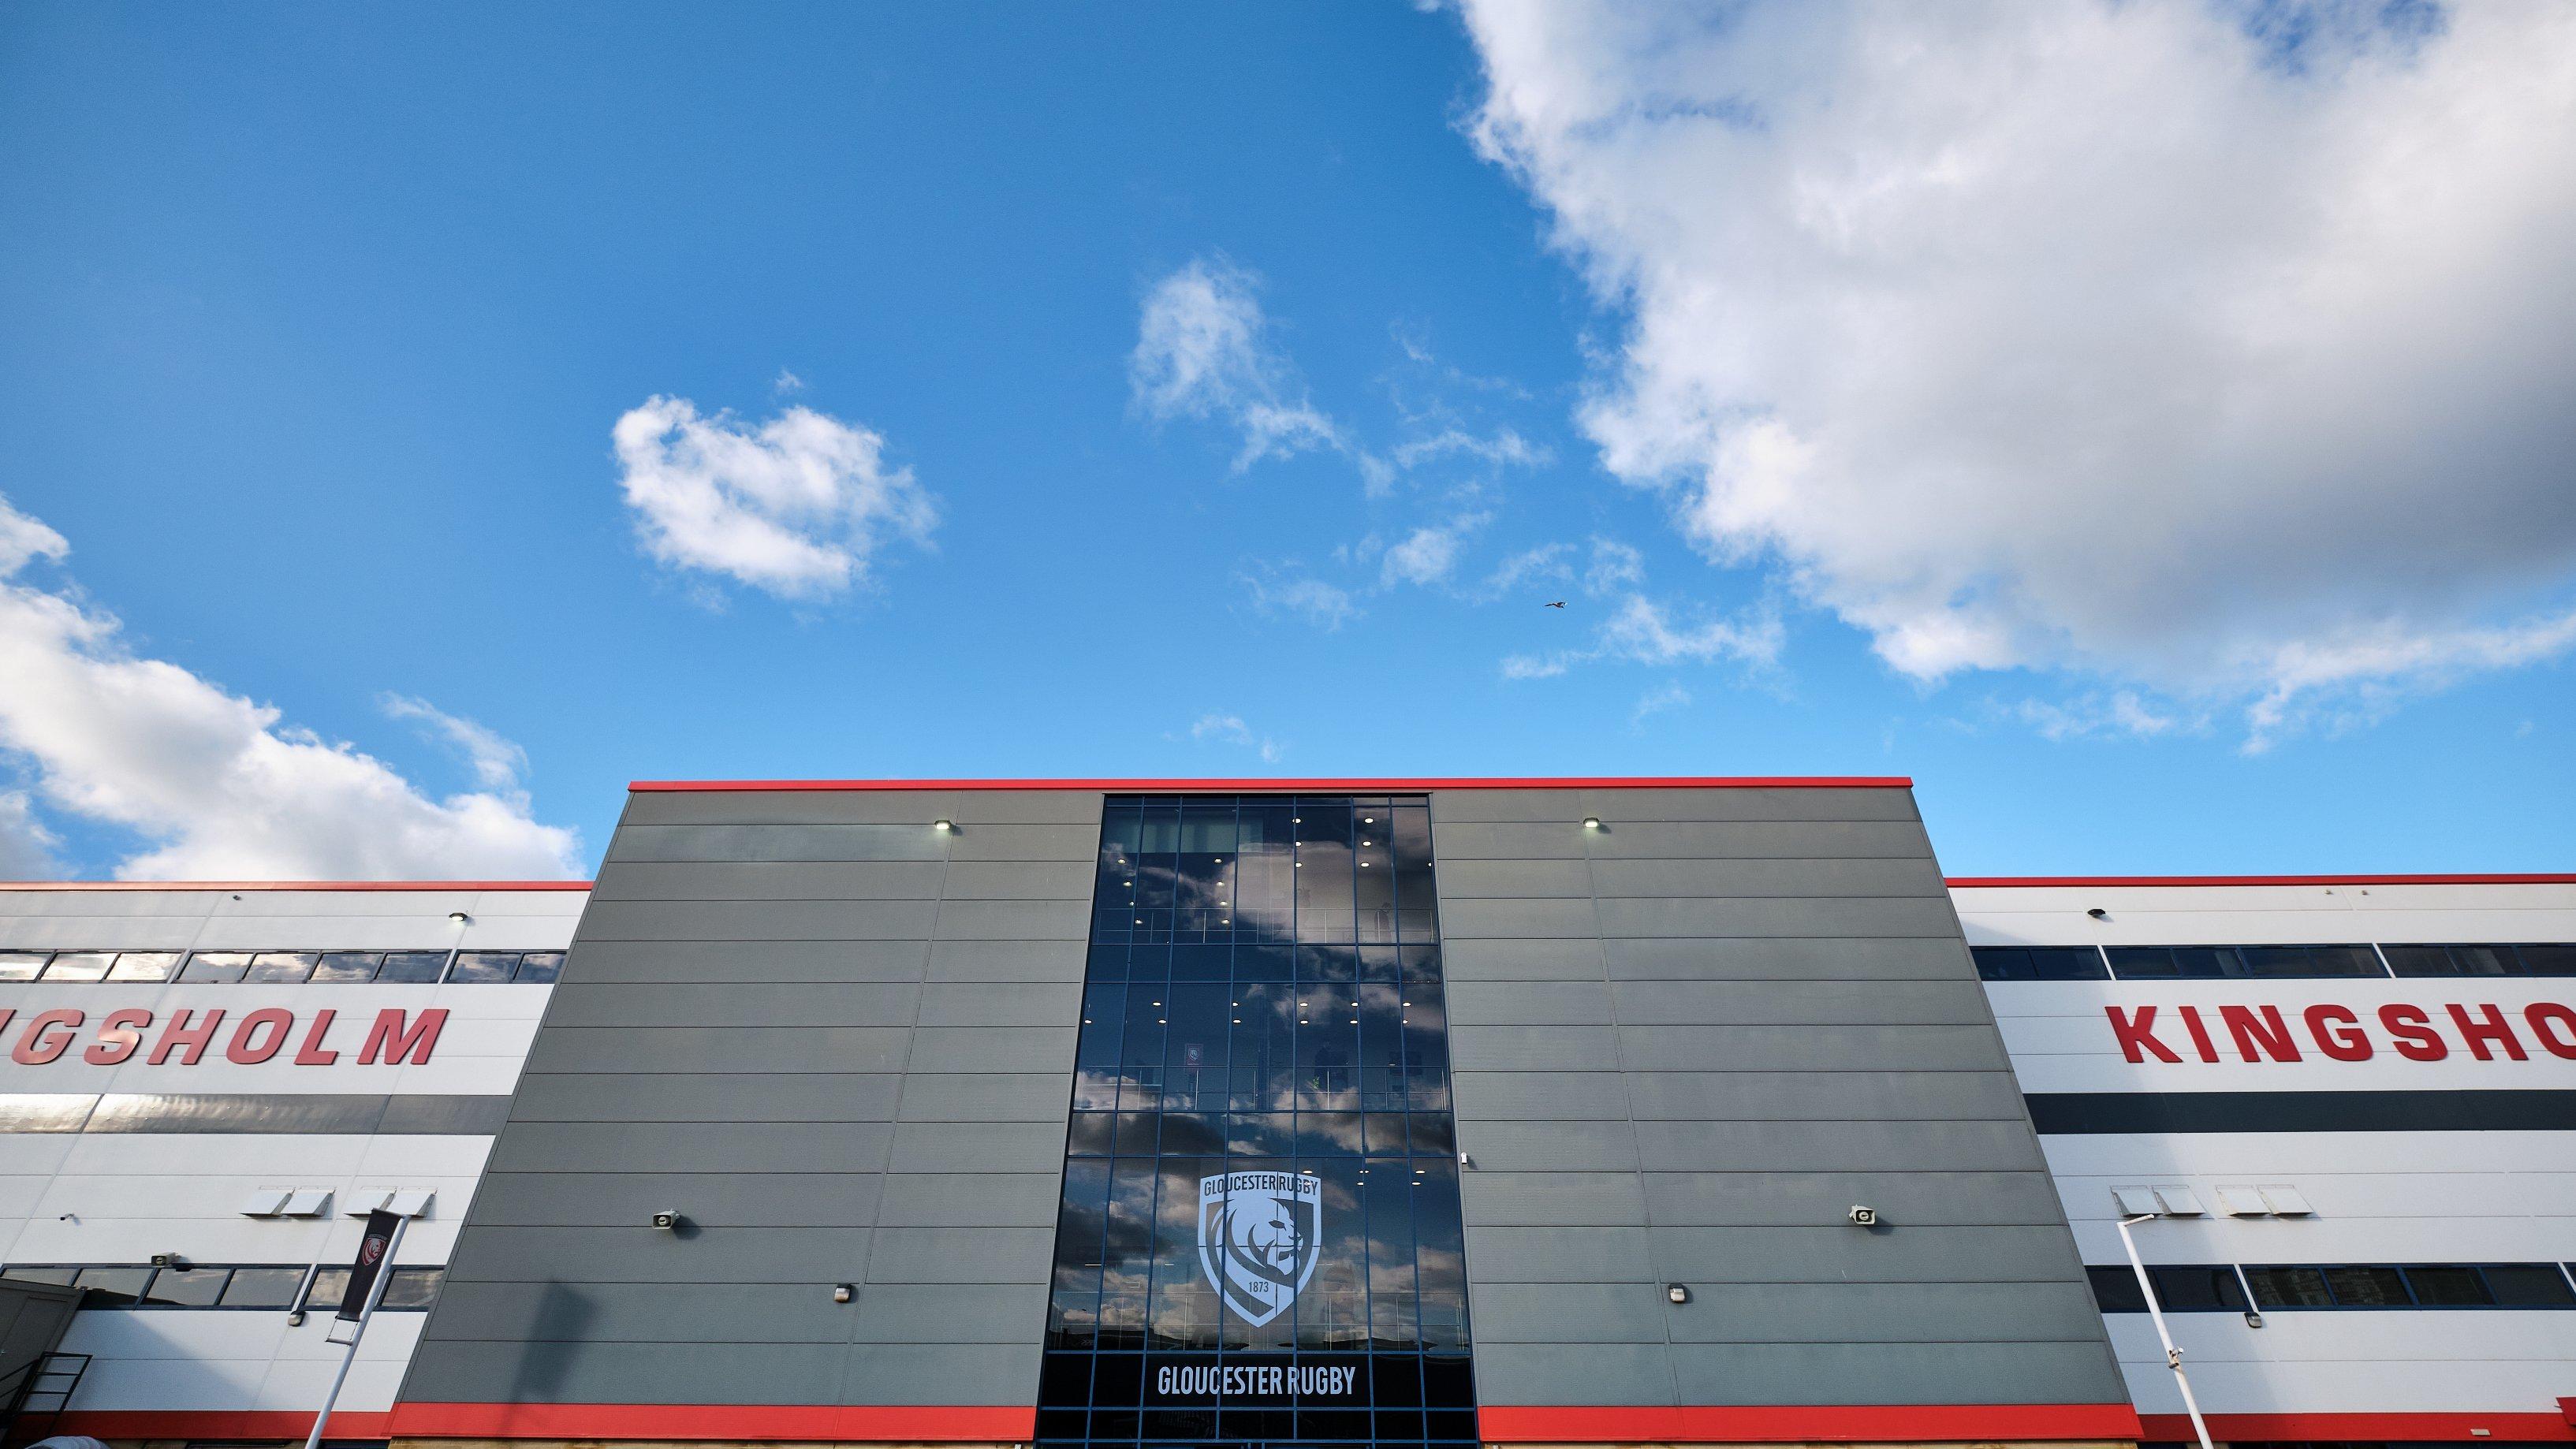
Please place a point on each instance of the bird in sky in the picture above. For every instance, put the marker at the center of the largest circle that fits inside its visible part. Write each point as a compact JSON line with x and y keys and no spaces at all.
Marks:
{"x":1556,"y":604}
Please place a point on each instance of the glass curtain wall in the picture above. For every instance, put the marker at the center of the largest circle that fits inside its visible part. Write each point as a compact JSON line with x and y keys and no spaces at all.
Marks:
{"x":1260,"y":1238}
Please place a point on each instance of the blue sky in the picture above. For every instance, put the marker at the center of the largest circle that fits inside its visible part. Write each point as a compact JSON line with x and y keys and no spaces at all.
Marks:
{"x":1224,"y":392}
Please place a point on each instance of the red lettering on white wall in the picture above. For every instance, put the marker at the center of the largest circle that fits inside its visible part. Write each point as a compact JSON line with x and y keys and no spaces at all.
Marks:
{"x":118,"y":1037}
{"x":183,"y":1039}
{"x":2266,"y":1033}
{"x":179,"y":1036}
{"x":2192,"y":1023}
{"x":2491,"y":1027}
{"x":312,"y":1053}
{"x":248,"y":1046}
{"x":391,"y":1034}
{"x":2554,"y":1026}
{"x":48,"y":1035}
{"x":2416,"y":1039}
{"x":2138,"y":1034}
{"x":2338,"y":1033}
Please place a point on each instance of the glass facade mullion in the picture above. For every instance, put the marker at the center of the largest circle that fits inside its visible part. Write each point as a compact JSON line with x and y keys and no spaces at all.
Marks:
{"x":1260,"y":1239}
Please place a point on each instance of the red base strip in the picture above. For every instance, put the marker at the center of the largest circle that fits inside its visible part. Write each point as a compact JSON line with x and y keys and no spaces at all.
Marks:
{"x":1816,"y":1423}
{"x":1320,"y":787}
{"x":909,"y":1423}
{"x":2499,"y":1428}
{"x":214,"y":1424}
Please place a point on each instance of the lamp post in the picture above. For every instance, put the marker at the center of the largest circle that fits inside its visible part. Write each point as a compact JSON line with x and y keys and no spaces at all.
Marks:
{"x":2173,"y":1355}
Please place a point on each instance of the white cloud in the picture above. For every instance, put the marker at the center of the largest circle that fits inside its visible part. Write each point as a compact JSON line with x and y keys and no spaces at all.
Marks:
{"x":1230,"y":729}
{"x":2122,"y":712}
{"x":1656,"y":701}
{"x":1321,"y":604}
{"x":796,"y":507}
{"x":1641,"y":632}
{"x":1502,"y":448}
{"x":1613,"y":567}
{"x":497,"y":763}
{"x":786,"y":382}
{"x":2087,"y":335}
{"x":208,"y":779}
{"x":1203,"y":350}
{"x":26,"y":846}
{"x":2364,"y":673}
{"x":1429,"y":554}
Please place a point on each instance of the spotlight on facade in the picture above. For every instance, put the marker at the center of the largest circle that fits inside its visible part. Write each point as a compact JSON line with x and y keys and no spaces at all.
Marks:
{"x":1677,"y":1292}
{"x":2099,"y":914}
{"x":459,"y":917}
{"x":843,"y":1292}
{"x":1591,"y":822}
{"x":1864,"y":1217}
{"x":944,"y":826}
{"x":668,"y":1220}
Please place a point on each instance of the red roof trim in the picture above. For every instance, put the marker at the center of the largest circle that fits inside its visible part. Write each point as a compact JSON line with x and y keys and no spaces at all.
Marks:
{"x":1993,"y":882}
{"x":1337,"y":786}
{"x":294,"y":885}
{"x":1803,"y":1423}
{"x":2500,"y":1428}
{"x":842,"y":1423}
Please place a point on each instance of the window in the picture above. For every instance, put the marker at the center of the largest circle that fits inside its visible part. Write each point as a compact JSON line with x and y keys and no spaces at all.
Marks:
{"x":483,"y":966}
{"x":111,"y":1287}
{"x":2483,"y":960}
{"x":2368,"y":1287}
{"x":2528,"y":1285}
{"x":2448,"y":1286}
{"x":272,"y":966}
{"x":540,"y":966}
{"x":347,"y":966}
{"x":262,"y":1288}
{"x":2169,"y":963}
{"x":60,"y":1277}
{"x":2197,"y":1288}
{"x":2289,"y":1288}
{"x":215,"y":966}
{"x":80,"y":966}
{"x":2116,"y":1290}
{"x":412,"y":1288}
{"x":21,"y":965}
{"x":413,"y":966}
{"x":190,"y":1287}
{"x":1263,"y":997}
{"x":2039,"y":963}
{"x":146,"y":965}
{"x":330,"y":1285}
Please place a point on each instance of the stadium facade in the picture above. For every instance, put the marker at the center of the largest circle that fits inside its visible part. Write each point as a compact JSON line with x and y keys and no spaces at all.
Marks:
{"x":1415,"y":1113}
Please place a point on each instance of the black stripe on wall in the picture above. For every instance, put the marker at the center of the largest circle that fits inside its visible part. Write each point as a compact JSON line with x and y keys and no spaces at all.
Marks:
{"x":357,"y":1113}
{"x":2082,"y":1113}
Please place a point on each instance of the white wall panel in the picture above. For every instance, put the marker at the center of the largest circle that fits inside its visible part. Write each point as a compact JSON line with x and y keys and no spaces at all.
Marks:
{"x":2353,"y":1362}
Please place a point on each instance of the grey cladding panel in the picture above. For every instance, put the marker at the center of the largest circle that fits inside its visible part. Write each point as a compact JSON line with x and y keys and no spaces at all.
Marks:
{"x":735,"y":843}
{"x":800,"y":1004}
{"x":615,"y":1371}
{"x":708,"y":1097}
{"x":767,"y":881}
{"x":839,"y":1043}
{"x":1685,"y":1044}
{"x":1903,"y":1373}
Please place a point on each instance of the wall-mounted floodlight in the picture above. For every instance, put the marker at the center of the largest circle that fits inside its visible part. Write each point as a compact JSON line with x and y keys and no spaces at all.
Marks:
{"x":844,"y":1292}
{"x":460,"y":918}
{"x":2099,"y":914}
{"x":668,"y":1220}
{"x":1677,"y":1292}
{"x":944,"y":826}
{"x":1863,"y":1216}
{"x":1591,"y":822}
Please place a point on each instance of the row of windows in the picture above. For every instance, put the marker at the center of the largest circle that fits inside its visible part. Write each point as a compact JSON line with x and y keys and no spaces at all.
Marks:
{"x":2171,"y":963}
{"x":1265,"y":869}
{"x":2223,"y":1287}
{"x":1264,"y":961}
{"x":420,"y":967}
{"x":253,"y":1285}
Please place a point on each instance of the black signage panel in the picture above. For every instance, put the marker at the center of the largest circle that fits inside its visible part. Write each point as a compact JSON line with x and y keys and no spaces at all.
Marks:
{"x":1257,"y":1380}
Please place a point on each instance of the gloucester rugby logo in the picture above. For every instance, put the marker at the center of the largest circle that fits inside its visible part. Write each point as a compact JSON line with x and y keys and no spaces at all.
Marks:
{"x":1259,"y":1233}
